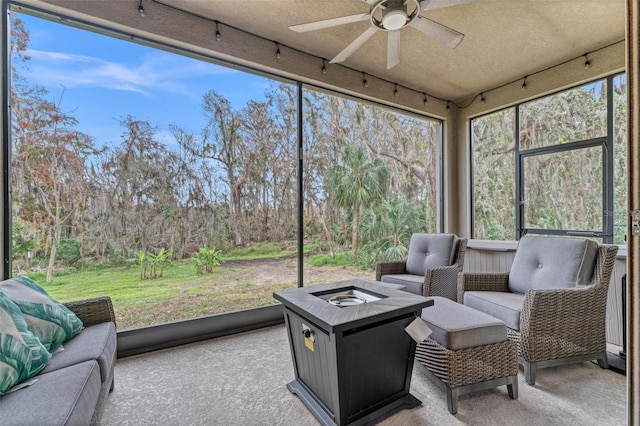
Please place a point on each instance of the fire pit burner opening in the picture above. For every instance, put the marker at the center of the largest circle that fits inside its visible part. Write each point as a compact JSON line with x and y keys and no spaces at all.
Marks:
{"x":348,"y":296}
{"x":346,"y":300}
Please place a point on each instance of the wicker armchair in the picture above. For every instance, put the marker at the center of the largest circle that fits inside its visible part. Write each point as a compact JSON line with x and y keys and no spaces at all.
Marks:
{"x":431,"y":268}
{"x":552,"y":326}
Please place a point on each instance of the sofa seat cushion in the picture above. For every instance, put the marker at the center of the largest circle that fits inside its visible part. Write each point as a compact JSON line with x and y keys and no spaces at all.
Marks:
{"x":413,"y":283}
{"x":457,"y":326}
{"x":502,"y":305}
{"x":428,"y":251}
{"x":552,"y":263}
{"x":63,"y":397}
{"x":50,"y":321}
{"x":97,"y":342}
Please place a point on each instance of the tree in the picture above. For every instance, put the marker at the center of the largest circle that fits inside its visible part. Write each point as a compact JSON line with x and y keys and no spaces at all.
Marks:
{"x":356,"y":183}
{"x":387,"y":230}
{"x":49,"y":166}
{"x":140,"y":189}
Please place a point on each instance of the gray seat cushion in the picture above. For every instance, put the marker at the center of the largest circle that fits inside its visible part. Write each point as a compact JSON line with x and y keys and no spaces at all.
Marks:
{"x":413,"y":283}
{"x":63,"y":397}
{"x":552,"y":262}
{"x":502,"y":305}
{"x":457,"y":326}
{"x":428,"y":251}
{"x":97,"y":342}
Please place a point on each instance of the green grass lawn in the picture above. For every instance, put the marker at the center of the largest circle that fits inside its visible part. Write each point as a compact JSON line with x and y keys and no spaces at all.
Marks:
{"x":179,"y":294}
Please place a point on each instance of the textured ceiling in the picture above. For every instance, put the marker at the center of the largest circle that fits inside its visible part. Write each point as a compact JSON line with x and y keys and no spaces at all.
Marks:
{"x":504,"y":39}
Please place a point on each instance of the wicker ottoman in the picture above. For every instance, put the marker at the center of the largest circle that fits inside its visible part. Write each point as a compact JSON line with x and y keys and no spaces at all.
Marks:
{"x":468,"y":351}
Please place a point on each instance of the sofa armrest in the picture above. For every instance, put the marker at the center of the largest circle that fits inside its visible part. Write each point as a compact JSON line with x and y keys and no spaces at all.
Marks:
{"x":390,"y":268}
{"x":484,"y":281}
{"x":93,"y":311}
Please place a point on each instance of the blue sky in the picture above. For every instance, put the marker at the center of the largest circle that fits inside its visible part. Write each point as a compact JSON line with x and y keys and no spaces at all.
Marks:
{"x":100,"y":80}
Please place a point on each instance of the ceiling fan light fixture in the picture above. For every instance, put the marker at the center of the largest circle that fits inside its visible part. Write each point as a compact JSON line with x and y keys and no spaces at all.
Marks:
{"x":394,"y":19}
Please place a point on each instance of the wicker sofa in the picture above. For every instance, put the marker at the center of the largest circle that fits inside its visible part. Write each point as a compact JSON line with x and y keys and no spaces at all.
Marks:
{"x":553,"y":300}
{"x":73,"y":387}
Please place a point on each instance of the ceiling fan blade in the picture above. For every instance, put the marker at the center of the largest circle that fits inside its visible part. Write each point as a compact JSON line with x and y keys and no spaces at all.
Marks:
{"x":355,"y":44}
{"x":327,"y":23}
{"x":439,"y":32}
{"x":393,"y":49}
{"x":437,"y":4}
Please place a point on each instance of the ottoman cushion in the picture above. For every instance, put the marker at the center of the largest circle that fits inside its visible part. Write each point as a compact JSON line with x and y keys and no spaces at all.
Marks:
{"x":456,"y":326}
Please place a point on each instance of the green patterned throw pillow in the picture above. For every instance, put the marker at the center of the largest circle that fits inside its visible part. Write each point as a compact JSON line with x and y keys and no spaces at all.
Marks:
{"x":21,"y":353}
{"x":51,"y":322}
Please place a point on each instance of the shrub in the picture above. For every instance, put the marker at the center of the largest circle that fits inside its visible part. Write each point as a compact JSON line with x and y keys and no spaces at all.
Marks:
{"x":207,"y":259}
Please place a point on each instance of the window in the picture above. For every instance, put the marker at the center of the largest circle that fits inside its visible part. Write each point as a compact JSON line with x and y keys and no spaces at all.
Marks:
{"x":570,"y":116}
{"x":165,"y":182}
{"x":568,"y":156}
{"x":620,"y":158}
{"x":494,"y":145}
{"x":370,"y":181}
{"x":171,"y":183}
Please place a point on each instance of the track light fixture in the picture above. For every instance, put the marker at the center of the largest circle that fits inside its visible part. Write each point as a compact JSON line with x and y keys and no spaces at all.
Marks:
{"x":448,"y":107}
{"x":278,"y":55}
{"x":324,"y":66}
{"x":365,"y":83}
{"x":524,"y":84}
{"x":141,"y":9}
{"x":482,"y":99}
{"x":395,"y":90}
{"x":424,"y":100}
{"x":217,"y":32}
{"x":587,"y":62}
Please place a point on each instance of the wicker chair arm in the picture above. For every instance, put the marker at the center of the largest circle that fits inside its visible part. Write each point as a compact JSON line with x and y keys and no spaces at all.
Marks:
{"x":390,"y":268}
{"x":575,"y":318}
{"x":485,"y":281}
{"x":561,"y":309}
{"x":93,"y":311}
{"x":442,"y":281}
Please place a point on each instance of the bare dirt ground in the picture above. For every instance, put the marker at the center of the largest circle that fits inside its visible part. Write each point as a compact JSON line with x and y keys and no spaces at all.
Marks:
{"x":285,"y":271}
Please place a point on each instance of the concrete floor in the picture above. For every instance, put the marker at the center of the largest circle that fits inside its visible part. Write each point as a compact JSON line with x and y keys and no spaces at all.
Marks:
{"x":240,"y":380}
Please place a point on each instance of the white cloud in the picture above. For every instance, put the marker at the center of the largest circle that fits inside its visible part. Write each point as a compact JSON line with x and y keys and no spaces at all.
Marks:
{"x":155,"y":72}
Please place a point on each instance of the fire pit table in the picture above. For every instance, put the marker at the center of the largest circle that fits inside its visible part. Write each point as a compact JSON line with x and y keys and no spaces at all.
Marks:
{"x":351,"y":355}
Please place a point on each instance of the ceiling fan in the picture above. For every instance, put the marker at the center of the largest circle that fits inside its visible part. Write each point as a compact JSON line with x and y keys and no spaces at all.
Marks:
{"x":392,"y":16}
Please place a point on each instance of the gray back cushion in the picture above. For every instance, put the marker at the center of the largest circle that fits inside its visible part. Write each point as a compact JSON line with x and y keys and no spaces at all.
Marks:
{"x":430,"y":250}
{"x":552,"y":262}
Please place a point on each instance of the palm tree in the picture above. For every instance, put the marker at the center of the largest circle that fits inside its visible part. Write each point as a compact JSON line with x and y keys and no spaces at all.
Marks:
{"x":356,"y":183}
{"x":388,"y":229}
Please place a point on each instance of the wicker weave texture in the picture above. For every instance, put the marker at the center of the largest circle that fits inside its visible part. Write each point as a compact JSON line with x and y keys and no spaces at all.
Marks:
{"x":483,"y":281}
{"x":471,"y":365}
{"x":93,"y":311}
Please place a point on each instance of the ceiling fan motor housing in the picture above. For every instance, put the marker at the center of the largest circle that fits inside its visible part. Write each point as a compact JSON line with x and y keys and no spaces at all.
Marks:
{"x":392,"y":15}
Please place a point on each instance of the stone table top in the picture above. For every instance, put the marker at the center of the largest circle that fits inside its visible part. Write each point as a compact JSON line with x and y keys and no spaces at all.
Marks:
{"x":308,"y":303}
